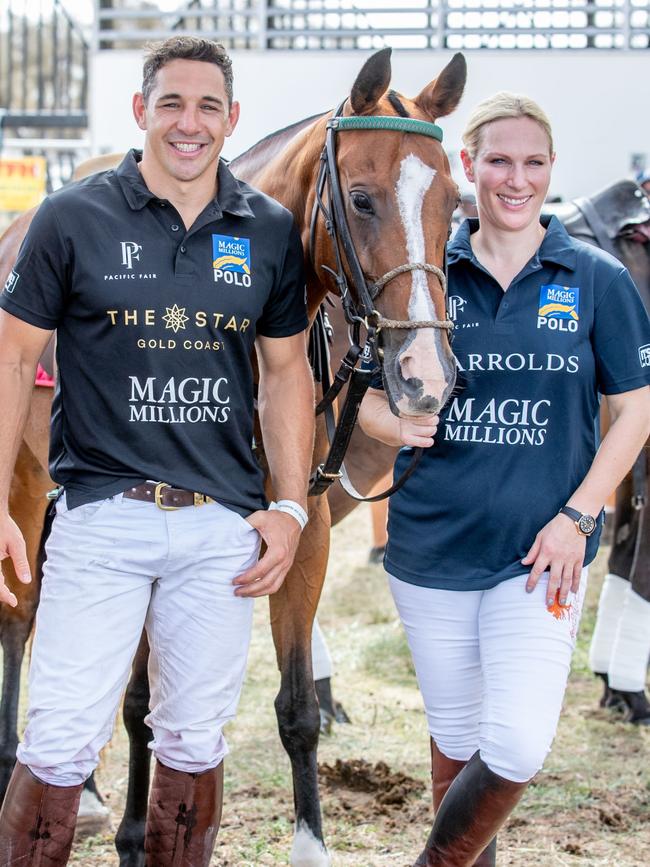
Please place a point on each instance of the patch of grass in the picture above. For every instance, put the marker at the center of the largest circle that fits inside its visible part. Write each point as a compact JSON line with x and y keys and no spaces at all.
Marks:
{"x":387,"y":656}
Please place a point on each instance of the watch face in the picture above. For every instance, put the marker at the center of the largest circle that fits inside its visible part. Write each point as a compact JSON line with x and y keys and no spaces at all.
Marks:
{"x":586,"y":524}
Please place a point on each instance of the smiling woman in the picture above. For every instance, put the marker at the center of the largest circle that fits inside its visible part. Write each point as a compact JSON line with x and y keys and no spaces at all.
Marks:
{"x":490,"y":539}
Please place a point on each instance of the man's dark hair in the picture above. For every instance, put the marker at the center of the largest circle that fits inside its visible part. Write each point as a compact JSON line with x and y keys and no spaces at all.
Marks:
{"x":159,"y":54}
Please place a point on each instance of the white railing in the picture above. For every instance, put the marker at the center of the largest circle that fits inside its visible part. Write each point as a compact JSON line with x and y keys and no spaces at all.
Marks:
{"x":349,"y":24}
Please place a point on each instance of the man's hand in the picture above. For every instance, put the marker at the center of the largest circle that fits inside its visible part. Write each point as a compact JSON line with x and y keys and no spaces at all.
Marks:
{"x":418,"y":431}
{"x":12,"y":545}
{"x":281,"y":533}
{"x":560,"y":550}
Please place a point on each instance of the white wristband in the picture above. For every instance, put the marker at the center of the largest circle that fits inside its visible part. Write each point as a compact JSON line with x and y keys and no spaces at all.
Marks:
{"x":291,"y":508}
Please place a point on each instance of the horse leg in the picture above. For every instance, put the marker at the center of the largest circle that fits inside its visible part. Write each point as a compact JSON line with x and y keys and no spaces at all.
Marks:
{"x":129,"y":840}
{"x":292,"y":612}
{"x":13,"y":637}
{"x":629,"y":569}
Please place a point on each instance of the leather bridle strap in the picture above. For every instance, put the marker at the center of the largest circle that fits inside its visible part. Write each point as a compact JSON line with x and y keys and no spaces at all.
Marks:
{"x":339,"y":432}
{"x":361,"y":309}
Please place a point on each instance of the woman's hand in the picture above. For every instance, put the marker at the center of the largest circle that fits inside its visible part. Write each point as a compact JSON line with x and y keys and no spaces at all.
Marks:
{"x":560,"y":549}
{"x":418,"y":431}
{"x":377,"y":421}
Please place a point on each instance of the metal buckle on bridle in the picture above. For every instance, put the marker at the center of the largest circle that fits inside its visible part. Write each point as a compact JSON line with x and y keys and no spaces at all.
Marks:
{"x":330,"y":477}
{"x":158,"y":498}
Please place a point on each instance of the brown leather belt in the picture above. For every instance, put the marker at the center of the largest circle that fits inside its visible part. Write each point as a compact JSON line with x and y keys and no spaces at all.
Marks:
{"x":166,"y":497}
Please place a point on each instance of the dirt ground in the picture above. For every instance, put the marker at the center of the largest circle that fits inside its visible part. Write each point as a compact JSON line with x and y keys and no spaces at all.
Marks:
{"x":590,"y":805}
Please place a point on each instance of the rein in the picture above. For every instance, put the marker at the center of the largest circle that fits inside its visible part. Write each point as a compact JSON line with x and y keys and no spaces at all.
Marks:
{"x":360,"y":309}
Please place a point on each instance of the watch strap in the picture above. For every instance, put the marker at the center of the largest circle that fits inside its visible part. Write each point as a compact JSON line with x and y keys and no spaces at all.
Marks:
{"x":574,"y":514}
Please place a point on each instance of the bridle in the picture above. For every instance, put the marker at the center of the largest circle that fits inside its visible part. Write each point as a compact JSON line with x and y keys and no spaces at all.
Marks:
{"x":359,"y":307}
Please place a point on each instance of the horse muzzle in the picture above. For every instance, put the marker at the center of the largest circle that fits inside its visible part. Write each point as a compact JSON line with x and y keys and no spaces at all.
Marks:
{"x":419,"y":372}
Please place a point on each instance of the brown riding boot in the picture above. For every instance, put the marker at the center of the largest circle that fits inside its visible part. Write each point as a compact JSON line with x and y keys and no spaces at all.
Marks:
{"x":444,"y":771}
{"x":183,"y":817}
{"x":37,"y":821}
{"x":476,"y":805}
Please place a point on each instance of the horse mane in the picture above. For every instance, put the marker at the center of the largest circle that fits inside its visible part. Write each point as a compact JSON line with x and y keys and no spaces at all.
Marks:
{"x":258,"y":155}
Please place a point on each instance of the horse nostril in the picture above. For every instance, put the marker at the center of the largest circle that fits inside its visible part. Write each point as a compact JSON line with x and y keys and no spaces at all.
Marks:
{"x":429,"y":404}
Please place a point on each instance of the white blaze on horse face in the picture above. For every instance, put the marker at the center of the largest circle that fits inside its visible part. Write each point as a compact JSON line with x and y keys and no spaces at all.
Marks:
{"x":421,"y":360}
{"x":415,"y":178}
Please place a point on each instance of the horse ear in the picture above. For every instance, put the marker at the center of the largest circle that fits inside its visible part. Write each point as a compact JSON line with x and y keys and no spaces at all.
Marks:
{"x":441,"y":96}
{"x":372,"y":82}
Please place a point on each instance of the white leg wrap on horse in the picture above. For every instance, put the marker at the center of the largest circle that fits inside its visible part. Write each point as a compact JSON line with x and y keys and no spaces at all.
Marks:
{"x":610,"y":606}
{"x":629,"y":660}
{"x":320,"y":656}
{"x":307,"y":851}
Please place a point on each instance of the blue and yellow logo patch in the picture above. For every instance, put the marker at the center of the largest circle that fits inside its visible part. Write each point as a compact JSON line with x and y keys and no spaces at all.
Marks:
{"x":231,"y":254}
{"x":559,"y":302}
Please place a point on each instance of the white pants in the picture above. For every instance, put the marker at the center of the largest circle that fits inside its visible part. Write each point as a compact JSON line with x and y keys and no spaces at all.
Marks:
{"x":113,"y":567}
{"x":492,"y":667}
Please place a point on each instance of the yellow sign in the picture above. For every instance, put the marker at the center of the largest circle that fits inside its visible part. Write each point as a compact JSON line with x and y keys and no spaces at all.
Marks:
{"x":22,"y":182}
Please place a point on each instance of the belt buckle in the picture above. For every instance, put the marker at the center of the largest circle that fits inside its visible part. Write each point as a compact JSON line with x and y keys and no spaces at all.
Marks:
{"x":158,"y":498}
{"x":199,"y":499}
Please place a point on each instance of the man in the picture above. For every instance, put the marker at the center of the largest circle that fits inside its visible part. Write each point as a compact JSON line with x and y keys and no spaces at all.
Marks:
{"x":158,"y":278}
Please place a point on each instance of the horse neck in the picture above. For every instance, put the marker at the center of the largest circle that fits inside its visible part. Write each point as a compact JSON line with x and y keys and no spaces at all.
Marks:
{"x":285,"y":167}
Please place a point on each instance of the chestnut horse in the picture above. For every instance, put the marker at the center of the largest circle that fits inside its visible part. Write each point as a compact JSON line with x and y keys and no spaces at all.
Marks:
{"x":397,"y":198}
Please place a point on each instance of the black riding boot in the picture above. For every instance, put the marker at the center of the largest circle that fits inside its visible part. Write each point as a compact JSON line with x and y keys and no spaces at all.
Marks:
{"x":476,"y":805}
{"x":443,"y":773}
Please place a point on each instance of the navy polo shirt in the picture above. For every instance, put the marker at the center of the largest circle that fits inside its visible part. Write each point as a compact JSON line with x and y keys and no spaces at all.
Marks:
{"x":155,"y":329}
{"x":517,"y":441}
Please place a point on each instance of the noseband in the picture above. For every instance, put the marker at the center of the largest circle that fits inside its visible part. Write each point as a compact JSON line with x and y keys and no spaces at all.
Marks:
{"x":361,"y":309}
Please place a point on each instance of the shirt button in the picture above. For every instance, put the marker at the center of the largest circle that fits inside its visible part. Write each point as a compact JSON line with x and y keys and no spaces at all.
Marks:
{"x":162,"y":204}
{"x":175,"y":228}
{"x":183,"y":249}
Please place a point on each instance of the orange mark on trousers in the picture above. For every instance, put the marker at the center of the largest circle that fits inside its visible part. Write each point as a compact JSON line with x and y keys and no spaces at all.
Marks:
{"x":558,"y":610}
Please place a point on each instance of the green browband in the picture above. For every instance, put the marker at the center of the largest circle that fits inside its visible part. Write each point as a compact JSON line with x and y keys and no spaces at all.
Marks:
{"x":397,"y":124}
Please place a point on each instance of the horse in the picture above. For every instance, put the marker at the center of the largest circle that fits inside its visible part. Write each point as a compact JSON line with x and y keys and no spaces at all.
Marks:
{"x":391,"y":196}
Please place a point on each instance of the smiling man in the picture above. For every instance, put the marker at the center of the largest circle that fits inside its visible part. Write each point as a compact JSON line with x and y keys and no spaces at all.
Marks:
{"x":159,"y":278}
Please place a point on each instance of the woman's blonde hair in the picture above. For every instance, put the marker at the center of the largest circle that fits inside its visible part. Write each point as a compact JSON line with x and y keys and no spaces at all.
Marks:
{"x":502,"y":105}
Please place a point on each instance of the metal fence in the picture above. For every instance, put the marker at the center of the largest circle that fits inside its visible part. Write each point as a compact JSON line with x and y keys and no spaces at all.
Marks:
{"x":43,"y":84}
{"x":366,"y":24}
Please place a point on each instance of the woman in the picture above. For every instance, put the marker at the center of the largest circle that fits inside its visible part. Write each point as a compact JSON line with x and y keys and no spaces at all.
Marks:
{"x":490,"y":539}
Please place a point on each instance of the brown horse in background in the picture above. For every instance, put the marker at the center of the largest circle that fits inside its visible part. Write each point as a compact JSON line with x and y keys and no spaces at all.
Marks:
{"x":398,"y":198}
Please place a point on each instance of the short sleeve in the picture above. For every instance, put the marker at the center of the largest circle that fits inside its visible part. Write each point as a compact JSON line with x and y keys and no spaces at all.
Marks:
{"x":621,"y":338}
{"x":285,"y":312}
{"x":35,"y":288}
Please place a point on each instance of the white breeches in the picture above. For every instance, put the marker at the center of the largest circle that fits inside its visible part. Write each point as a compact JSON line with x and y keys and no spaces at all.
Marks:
{"x":113,"y":567}
{"x":492,"y":666}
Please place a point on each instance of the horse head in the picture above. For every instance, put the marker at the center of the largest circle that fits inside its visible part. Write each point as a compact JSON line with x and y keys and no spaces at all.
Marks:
{"x":398,"y":197}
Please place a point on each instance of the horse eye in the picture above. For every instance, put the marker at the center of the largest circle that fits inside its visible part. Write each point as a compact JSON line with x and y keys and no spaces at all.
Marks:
{"x":361,"y":203}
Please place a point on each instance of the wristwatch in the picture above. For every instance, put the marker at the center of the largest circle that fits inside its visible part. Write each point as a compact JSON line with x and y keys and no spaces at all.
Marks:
{"x":585,"y":524}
